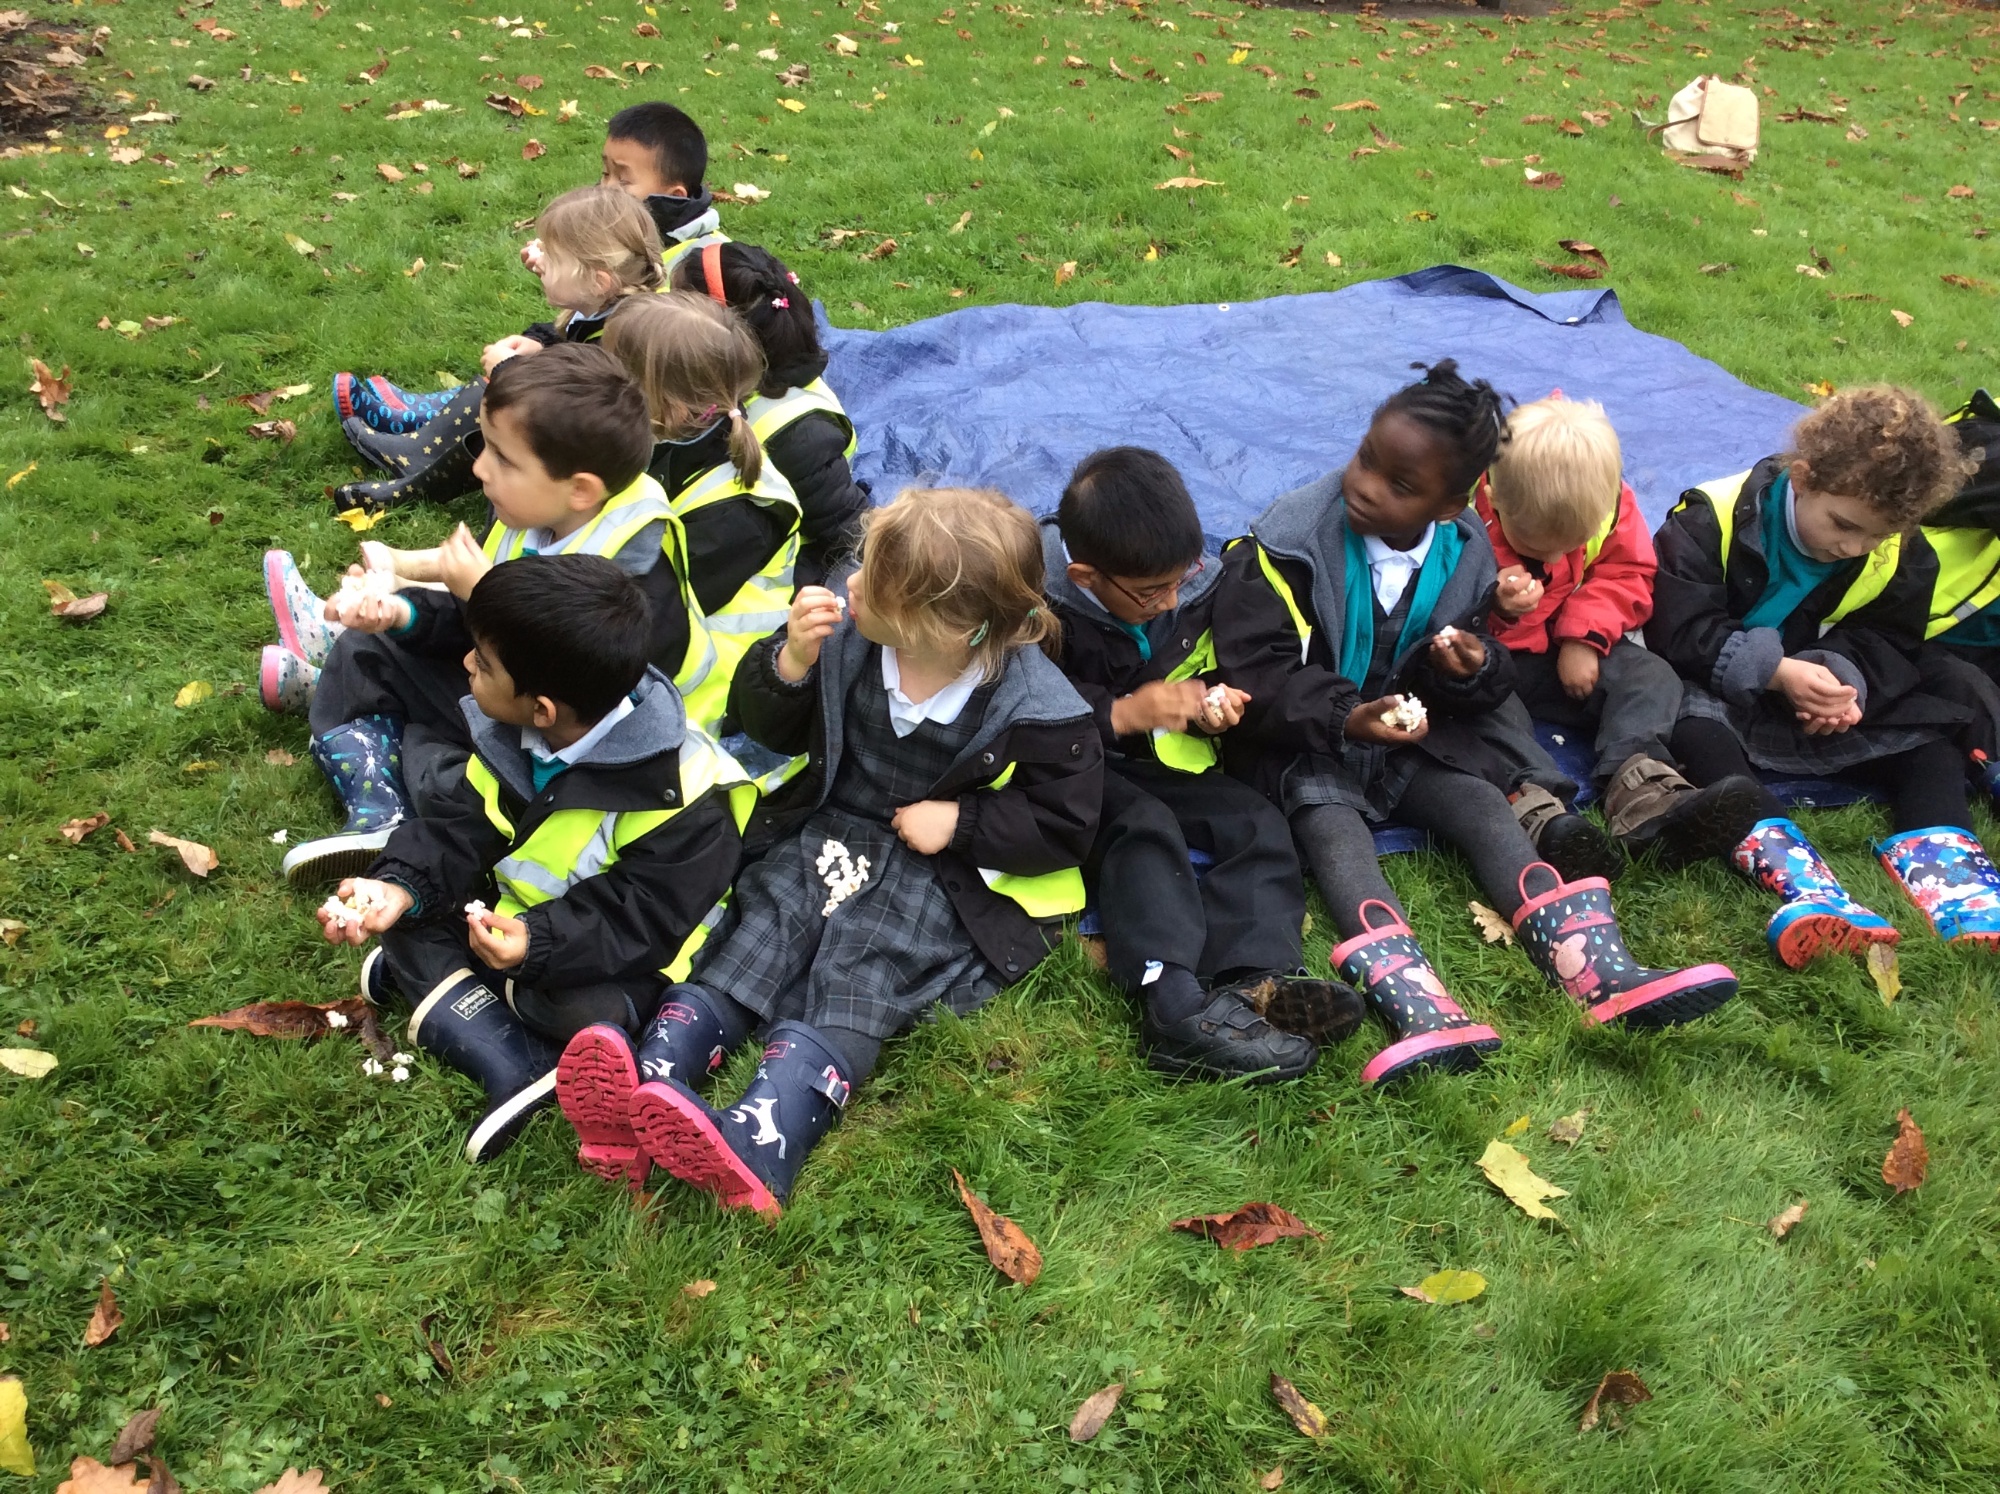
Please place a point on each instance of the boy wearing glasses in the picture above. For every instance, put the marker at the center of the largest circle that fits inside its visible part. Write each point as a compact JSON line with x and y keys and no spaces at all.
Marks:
{"x":1213,"y":955}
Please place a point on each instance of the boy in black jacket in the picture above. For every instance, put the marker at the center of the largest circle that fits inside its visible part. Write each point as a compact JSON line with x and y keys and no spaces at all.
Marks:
{"x":1213,"y":957}
{"x":604,"y":828}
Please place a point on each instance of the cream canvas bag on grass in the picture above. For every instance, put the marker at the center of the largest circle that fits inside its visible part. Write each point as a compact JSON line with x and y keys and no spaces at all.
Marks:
{"x":1711,"y":117}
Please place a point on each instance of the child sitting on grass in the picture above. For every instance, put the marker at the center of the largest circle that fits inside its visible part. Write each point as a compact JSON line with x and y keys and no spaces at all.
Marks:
{"x":1576,"y":576}
{"x":1793,"y":599}
{"x":598,"y":248}
{"x":1215,"y":961}
{"x":798,"y":420}
{"x":1352,"y":599}
{"x":654,"y":154}
{"x":952,"y":797}
{"x":563,"y":466}
{"x":603,"y":826}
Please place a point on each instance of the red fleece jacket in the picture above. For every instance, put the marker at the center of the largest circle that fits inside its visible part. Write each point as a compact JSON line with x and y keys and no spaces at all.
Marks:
{"x":1594,"y":604}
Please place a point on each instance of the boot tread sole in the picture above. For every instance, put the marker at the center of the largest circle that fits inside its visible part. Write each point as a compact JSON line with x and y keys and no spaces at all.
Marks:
{"x":595,"y":1081}
{"x":680,"y":1137}
{"x":1806,"y":939}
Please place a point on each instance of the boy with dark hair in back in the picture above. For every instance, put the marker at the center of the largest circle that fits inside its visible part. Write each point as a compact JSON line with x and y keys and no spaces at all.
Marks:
{"x":566,"y":442}
{"x":654,"y":152}
{"x":1214,"y":958}
{"x":604,"y":828}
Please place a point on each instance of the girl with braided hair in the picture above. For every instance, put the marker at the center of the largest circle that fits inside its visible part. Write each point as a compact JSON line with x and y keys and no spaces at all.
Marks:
{"x":1351,"y":600}
{"x":805,"y":432}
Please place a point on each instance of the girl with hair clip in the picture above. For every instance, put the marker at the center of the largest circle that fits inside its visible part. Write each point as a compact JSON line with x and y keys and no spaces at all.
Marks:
{"x":926,"y":858}
{"x":805,"y":433}
{"x":599,"y":246}
{"x":698,"y":364}
{"x":1353,"y":617}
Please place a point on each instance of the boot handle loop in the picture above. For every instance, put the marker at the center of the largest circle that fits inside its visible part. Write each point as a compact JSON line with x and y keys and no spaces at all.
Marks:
{"x":1395,"y":918}
{"x":1555,"y":879}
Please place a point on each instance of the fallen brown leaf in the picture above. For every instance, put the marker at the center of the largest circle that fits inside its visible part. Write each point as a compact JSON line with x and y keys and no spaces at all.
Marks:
{"x":1248,"y":1227}
{"x":1886,"y":971}
{"x":1357,"y":104}
{"x":388,"y":173}
{"x":304,"y":1019}
{"x":1093,"y":1413}
{"x":528,"y":82}
{"x":1963,"y":282}
{"x":104,"y":1320}
{"x":1782,"y":1224}
{"x":74,"y":831}
{"x":291,"y":1481}
{"x":1577,"y":271}
{"x":1570,"y":127}
{"x":1569,"y":1129}
{"x":88,"y":1476}
{"x":1961,"y":192}
{"x":1013,"y":1254}
{"x":698,"y":1289}
{"x":125,"y":843}
{"x":1909,"y":1159}
{"x":50,"y":389}
{"x":1178,"y":154}
{"x":534,"y":150}
{"x":1583,"y":251}
{"x":1618,"y":1387}
{"x":273,"y":430}
{"x":11,"y":930}
{"x":162,"y":1480}
{"x":437,"y":1350}
{"x":1307,"y":1417}
{"x":277,"y":757}
{"x":1545,"y":181}
{"x":198,"y":858}
{"x":1275,"y":1479}
{"x":1717,"y":269}
{"x":1065,"y":272}
{"x":882,"y":250}
{"x":136,"y":1439}
{"x":1184,"y":183}
{"x":506,"y":103}
{"x":1903,"y":318}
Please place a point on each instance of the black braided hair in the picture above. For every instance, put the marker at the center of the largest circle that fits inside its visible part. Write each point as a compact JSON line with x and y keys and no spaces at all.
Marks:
{"x":1467,"y":417}
{"x":756,"y":281}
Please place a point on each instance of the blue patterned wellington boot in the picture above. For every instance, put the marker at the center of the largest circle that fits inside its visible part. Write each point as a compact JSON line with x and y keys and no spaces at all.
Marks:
{"x":1572,"y":936}
{"x":432,"y":466}
{"x":749,"y":1154}
{"x":1946,"y":873}
{"x":363,"y":760}
{"x":1818,"y":917}
{"x":1428,"y":1028}
{"x":380,"y":404}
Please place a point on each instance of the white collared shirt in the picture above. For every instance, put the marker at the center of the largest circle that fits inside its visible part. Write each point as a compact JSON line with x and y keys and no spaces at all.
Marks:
{"x":533,"y":742}
{"x":1393,"y":568}
{"x":906,"y":715}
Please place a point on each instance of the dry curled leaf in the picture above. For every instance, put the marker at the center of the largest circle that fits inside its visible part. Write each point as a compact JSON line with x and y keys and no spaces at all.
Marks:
{"x":388,"y":173}
{"x":273,"y":430}
{"x":1065,"y":272}
{"x":1782,"y":1225}
{"x":74,"y":831}
{"x":1583,"y":251}
{"x":698,"y":1289}
{"x":1903,"y":318}
{"x":104,"y":1319}
{"x":1618,"y":1387}
{"x":67,"y":604}
{"x":305,"y":1019}
{"x":1492,"y":927}
{"x":1884,"y":971}
{"x":1545,"y":181}
{"x":1185,"y":183}
{"x":1569,"y":1129}
{"x":534,"y":150}
{"x":1275,"y":1479}
{"x":1909,"y":1159}
{"x":88,"y":1476}
{"x":125,"y":843}
{"x":50,"y":390}
{"x":1507,"y":1170}
{"x":1357,"y":104}
{"x":197,"y":857}
{"x":1094,"y":1413}
{"x":1013,"y":1254}
{"x":1307,"y":1417}
{"x":1248,"y":1227}
{"x":136,"y":1439}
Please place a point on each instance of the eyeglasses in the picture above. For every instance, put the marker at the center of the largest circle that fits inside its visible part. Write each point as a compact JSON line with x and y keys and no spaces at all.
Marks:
{"x":1153,"y":594}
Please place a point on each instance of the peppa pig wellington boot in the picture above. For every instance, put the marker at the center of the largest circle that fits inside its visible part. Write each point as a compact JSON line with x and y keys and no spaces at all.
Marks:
{"x":1572,"y":936}
{"x":1428,"y":1028}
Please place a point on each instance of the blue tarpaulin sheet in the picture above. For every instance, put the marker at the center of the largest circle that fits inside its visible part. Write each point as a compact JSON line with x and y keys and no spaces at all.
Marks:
{"x":1250,"y":400}
{"x":1253,"y":399}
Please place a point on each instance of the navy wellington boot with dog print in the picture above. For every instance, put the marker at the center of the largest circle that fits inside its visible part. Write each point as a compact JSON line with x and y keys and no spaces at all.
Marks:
{"x":749,"y":1154}
{"x":1572,"y":935}
{"x":1427,"y":1028}
{"x":600,"y":1070}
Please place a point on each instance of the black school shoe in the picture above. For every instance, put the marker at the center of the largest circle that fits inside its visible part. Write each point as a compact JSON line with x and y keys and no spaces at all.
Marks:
{"x":1702,"y":824}
{"x":1327,"y":1011}
{"x":1227,"y":1038}
{"x":1579,"y":850}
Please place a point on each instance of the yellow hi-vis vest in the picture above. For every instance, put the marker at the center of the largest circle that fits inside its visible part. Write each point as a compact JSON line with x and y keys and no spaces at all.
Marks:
{"x":762,"y":603}
{"x":675,"y":248}
{"x":1968,"y":576}
{"x":1186,"y":751}
{"x":608,"y":532}
{"x":572,"y":844}
{"x":1049,"y":895}
{"x":1876,"y":572}
{"x":769,"y":416}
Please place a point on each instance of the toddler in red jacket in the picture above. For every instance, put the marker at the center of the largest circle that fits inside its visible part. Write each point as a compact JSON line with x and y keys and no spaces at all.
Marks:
{"x":1576,"y":576}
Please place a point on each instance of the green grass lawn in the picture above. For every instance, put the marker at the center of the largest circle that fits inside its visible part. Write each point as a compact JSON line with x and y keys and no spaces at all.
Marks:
{"x":285,"y":1233}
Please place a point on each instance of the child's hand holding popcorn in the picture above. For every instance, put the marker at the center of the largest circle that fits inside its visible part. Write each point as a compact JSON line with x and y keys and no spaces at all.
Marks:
{"x":816,"y":612}
{"x":1381,"y":722}
{"x":1517,"y":593}
{"x":500,"y":941}
{"x":1457,"y":653}
{"x":360,"y":908}
{"x":367,"y":602}
{"x":499,"y":352}
{"x":1221,"y":708}
{"x":532,"y":258}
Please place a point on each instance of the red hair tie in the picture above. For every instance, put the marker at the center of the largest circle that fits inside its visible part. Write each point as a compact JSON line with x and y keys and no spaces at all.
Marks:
{"x":711,"y":269}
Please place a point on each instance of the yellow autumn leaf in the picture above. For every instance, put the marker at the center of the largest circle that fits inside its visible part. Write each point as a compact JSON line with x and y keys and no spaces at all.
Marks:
{"x":302,"y":246}
{"x":1519,"y":1125}
{"x":1152,"y":253}
{"x":1448,"y":1287}
{"x":792,"y":106}
{"x":1882,"y":969}
{"x":1507,"y":1170}
{"x":16,"y":1456}
{"x":29,"y":1063}
{"x":1239,"y":56}
{"x":1492,"y":927}
{"x":360,"y":520}
{"x":912,"y":61}
{"x":17,"y":479}
{"x":194,"y":692}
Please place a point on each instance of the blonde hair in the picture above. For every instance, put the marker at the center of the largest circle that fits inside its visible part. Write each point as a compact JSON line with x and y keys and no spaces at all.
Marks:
{"x":1559,"y":473}
{"x":602,"y":228}
{"x":957,"y":568}
{"x":695,"y":361}
{"x":1885,"y":445}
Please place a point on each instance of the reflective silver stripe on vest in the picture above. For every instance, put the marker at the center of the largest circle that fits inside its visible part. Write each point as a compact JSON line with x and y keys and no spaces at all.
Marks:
{"x":596,"y":852}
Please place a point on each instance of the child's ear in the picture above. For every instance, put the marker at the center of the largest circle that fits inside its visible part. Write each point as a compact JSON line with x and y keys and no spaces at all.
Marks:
{"x":586,"y":492}
{"x":1800,"y":472}
{"x":546,"y":712}
{"x":1081,"y":575}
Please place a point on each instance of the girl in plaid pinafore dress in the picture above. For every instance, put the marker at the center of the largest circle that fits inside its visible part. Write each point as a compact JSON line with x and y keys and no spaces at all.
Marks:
{"x":925,"y":858}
